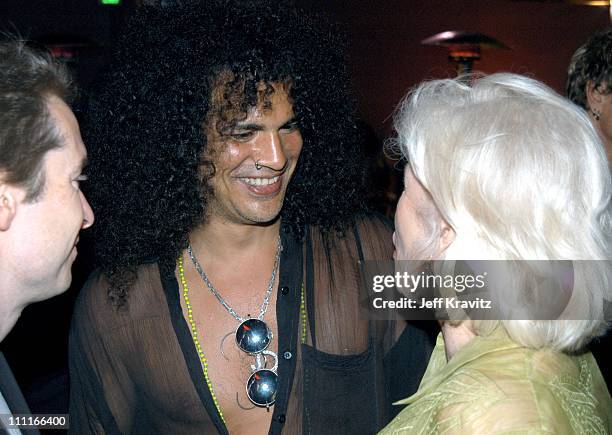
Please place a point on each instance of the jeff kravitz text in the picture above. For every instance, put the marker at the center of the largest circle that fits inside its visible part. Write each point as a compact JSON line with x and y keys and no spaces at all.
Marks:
{"x":435,"y":303}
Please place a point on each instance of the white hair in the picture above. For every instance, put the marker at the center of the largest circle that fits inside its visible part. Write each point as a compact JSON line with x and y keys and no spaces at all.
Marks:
{"x":519,"y":173}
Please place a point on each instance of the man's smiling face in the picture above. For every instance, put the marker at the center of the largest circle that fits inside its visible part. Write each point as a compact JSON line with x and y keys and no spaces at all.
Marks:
{"x":254,"y":162}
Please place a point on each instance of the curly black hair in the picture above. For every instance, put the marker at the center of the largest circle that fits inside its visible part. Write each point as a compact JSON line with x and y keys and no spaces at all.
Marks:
{"x":592,"y":61}
{"x":144,"y":127}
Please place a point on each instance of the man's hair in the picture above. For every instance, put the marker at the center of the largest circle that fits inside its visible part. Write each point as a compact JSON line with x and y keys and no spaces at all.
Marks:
{"x":520,"y":174}
{"x":591,"y":62}
{"x":178,"y":72}
{"x":27,"y":79}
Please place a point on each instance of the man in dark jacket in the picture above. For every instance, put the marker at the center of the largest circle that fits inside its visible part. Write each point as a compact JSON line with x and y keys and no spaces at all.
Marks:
{"x":42,"y":208}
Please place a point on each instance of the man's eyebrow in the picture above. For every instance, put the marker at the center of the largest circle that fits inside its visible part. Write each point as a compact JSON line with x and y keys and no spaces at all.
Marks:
{"x":258,"y":127}
{"x":248,"y":126}
{"x":291,"y":123}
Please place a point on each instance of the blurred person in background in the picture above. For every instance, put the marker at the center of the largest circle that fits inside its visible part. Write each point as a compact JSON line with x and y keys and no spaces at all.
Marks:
{"x":516,"y":173}
{"x":589,"y":83}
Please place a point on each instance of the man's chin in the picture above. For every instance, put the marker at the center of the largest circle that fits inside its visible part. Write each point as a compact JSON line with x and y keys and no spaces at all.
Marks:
{"x":263,"y":215}
{"x":50,"y":292}
{"x":63,"y":281}
{"x":264,"y":221}
{"x":263,"y":218}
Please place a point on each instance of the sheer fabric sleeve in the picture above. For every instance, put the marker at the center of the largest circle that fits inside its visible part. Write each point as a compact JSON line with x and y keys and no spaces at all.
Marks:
{"x":343,"y":383}
{"x":341,"y":324}
{"x":98,"y":382}
{"x":129,"y":372}
{"x":406,"y":347}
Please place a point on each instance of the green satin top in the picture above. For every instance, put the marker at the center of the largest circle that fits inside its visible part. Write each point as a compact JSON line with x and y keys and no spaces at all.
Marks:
{"x":493,"y":385}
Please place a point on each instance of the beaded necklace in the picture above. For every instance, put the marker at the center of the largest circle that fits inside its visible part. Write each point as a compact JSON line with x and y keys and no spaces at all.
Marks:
{"x":194,"y":331}
{"x":303,"y":314}
{"x":194,"y":334}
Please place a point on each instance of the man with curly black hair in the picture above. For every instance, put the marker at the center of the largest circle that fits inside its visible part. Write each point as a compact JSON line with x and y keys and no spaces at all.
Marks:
{"x":226,"y":171}
{"x":589,"y":83}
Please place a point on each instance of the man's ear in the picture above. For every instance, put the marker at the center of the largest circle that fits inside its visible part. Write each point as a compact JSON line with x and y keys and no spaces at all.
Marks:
{"x":8,"y":206}
{"x":594,"y":97}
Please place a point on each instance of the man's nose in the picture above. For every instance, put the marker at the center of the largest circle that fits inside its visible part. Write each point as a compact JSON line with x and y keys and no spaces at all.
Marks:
{"x":88,"y":215}
{"x":271,"y":152}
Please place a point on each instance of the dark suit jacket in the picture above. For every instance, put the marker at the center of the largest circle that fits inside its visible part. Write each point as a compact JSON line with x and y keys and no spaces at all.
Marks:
{"x":12,"y":394}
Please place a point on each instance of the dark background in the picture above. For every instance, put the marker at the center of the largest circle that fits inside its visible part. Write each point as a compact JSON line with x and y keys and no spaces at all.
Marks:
{"x":386,"y":59}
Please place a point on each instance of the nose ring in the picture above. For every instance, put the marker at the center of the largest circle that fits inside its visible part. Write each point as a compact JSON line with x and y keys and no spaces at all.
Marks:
{"x":257,"y":165}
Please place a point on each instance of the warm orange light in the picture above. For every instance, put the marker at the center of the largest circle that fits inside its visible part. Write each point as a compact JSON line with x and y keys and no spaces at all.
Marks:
{"x":591,"y":2}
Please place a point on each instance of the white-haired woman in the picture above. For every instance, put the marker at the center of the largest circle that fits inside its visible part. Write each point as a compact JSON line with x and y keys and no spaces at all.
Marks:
{"x":506,"y":169}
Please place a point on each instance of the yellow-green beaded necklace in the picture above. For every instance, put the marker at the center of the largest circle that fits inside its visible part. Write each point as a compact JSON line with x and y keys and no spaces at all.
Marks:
{"x":194,"y":334}
{"x":194,"y":331}
{"x":303,"y":314}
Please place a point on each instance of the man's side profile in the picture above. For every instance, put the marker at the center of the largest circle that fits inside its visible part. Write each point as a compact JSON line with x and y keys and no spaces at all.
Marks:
{"x":42,"y":208}
{"x":230,"y":183}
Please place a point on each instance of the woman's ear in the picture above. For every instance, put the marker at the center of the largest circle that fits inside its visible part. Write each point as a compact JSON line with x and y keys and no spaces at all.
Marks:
{"x":594,"y":97}
{"x":447,"y":236}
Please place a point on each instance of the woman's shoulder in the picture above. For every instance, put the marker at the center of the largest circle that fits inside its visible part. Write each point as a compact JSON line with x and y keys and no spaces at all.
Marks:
{"x":531,"y":389}
{"x":574,"y":385}
{"x":545,"y":367}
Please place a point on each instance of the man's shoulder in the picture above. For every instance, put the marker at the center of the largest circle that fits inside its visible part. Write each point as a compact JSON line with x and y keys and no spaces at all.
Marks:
{"x":94,"y":301}
{"x":374,"y":233}
{"x":368,"y":236}
{"x":363,"y":224}
{"x":373,"y":220}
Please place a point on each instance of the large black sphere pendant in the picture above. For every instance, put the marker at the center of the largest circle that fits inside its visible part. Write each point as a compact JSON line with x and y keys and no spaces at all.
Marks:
{"x":253,"y":336}
{"x":261,"y":387}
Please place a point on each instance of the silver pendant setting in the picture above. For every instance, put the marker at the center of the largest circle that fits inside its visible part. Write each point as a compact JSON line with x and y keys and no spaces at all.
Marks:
{"x":253,"y":337}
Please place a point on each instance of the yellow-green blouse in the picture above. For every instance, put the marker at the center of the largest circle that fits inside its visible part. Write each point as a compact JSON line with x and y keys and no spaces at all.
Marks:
{"x":494,"y":386}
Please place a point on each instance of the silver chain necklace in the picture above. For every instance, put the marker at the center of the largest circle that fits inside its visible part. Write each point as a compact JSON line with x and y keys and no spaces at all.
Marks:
{"x":266,"y":301}
{"x":253,"y":336}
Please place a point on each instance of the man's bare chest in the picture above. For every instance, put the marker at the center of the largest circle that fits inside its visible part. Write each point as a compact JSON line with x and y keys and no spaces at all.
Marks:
{"x":231,"y":363}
